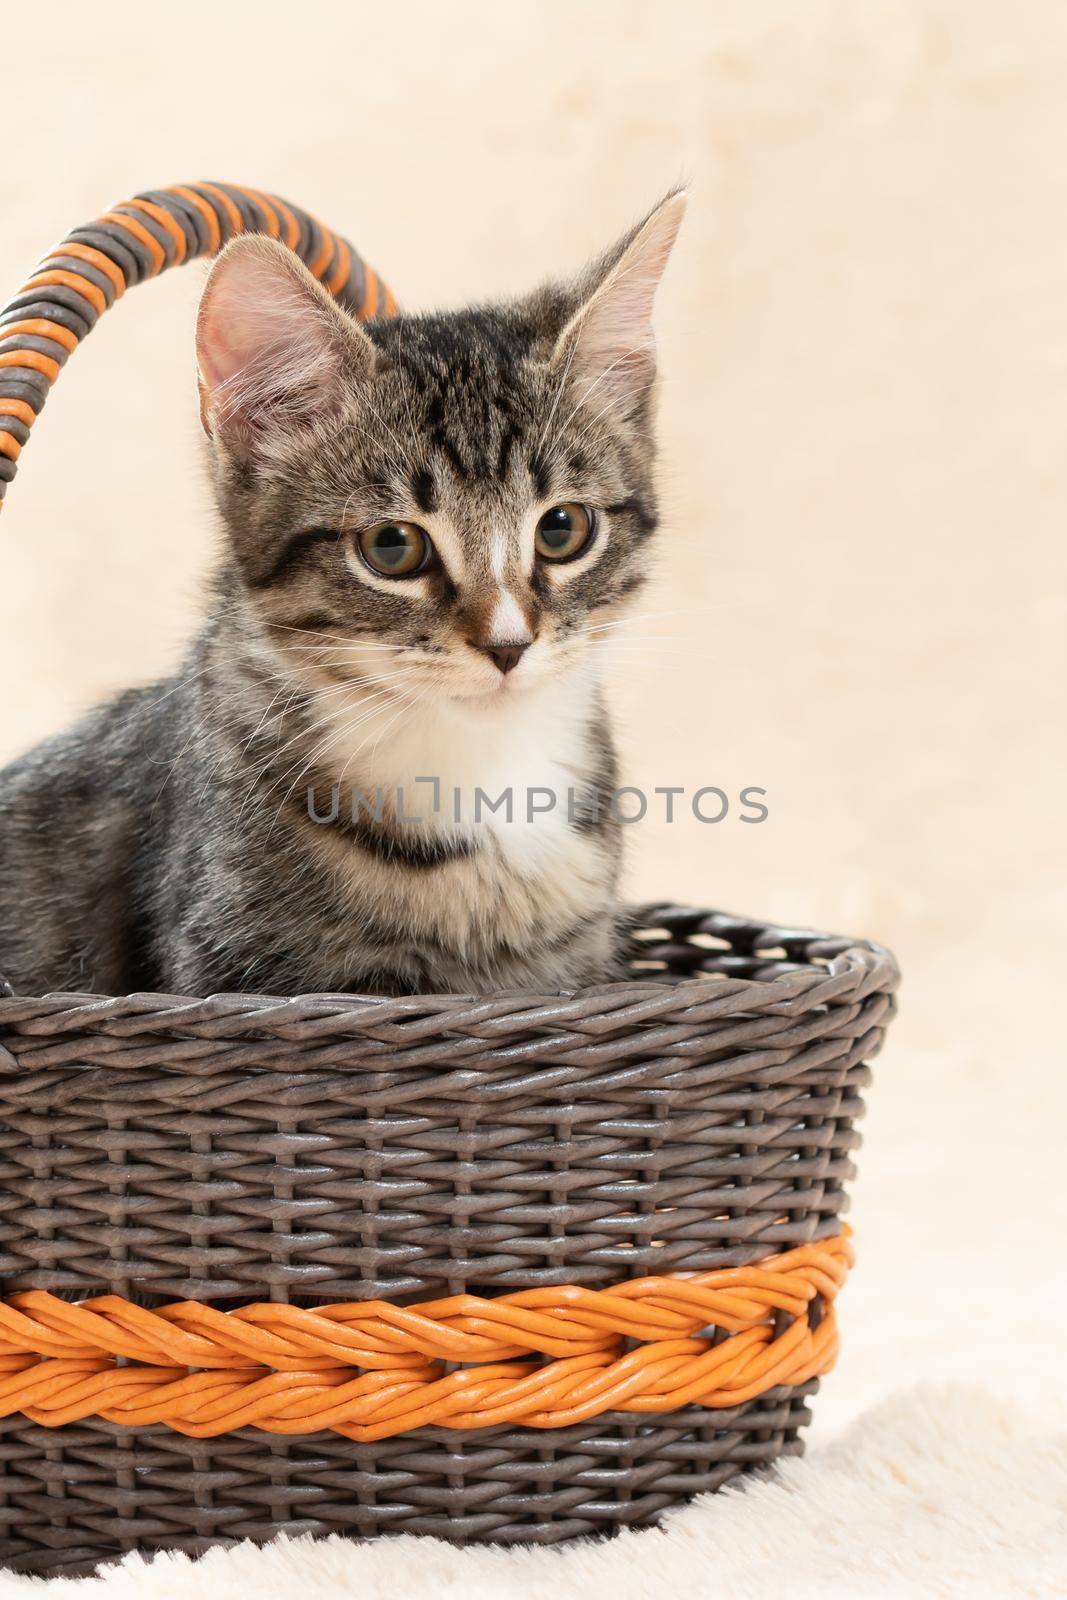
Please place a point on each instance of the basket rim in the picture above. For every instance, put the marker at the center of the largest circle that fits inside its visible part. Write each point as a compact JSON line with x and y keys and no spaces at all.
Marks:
{"x":816,"y":968}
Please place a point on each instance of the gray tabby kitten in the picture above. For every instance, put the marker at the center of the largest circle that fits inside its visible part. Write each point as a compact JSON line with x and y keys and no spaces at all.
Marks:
{"x":428,"y":519}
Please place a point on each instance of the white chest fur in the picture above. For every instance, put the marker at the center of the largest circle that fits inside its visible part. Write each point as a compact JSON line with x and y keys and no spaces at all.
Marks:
{"x":512,"y":766}
{"x":531,"y":876}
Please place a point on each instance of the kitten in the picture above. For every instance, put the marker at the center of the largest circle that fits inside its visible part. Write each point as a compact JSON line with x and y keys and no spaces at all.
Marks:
{"x":428,"y":519}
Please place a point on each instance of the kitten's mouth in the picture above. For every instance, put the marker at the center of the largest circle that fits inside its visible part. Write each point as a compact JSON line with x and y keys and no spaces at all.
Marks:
{"x":495,"y":687}
{"x":505,"y":689}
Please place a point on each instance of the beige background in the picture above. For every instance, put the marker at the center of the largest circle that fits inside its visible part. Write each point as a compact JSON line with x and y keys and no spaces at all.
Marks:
{"x":864,"y":413}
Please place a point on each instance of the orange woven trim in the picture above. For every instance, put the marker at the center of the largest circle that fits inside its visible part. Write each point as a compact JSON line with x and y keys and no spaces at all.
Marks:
{"x":33,"y":359}
{"x":214,"y":232}
{"x":9,"y":446}
{"x":237,"y":222}
{"x":69,"y":280}
{"x":371,"y":296}
{"x":166,"y":222}
{"x":43,"y":330}
{"x":292,"y":227}
{"x":339,"y":276}
{"x":137,"y":230}
{"x":327,"y":251}
{"x":95,"y":258}
{"x":20,"y":409}
{"x":265,"y":205}
{"x":288,"y":1370}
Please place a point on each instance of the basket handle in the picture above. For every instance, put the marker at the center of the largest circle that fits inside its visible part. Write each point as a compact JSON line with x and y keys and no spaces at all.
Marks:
{"x":140,"y":238}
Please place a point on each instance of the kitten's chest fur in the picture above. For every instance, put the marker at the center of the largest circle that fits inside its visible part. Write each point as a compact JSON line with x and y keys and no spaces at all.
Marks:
{"x":457,"y":847}
{"x":499,"y":863}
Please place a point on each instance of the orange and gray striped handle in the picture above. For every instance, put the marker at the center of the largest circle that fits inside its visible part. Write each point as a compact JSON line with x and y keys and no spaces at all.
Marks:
{"x":137,"y":239}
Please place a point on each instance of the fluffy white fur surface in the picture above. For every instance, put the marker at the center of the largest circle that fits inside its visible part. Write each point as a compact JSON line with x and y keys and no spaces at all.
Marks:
{"x":939,"y":1491}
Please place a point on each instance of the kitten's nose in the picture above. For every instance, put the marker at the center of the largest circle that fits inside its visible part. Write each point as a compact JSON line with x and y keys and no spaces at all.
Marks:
{"x":505,"y":656}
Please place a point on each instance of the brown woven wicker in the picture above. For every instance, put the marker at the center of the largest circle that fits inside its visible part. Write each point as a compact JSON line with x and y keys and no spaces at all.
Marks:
{"x":697,"y":1114}
{"x":332,"y":1147}
{"x":692,"y":1118}
{"x":70,"y":1498}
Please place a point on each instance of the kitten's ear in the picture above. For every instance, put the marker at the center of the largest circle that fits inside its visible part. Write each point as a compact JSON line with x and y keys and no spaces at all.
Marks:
{"x":271,"y":345}
{"x":608,"y":345}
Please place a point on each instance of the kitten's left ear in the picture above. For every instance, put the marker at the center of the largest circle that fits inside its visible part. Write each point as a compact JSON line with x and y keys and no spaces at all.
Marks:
{"x":608,"y":344}
{"x":273,"y":347}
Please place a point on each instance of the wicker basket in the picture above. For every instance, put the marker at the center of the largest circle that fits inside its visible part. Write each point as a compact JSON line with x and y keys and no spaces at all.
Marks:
{"x":512,"y":1268}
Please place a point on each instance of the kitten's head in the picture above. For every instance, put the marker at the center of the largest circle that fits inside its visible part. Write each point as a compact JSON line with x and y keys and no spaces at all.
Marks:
{"x":446,"y":505}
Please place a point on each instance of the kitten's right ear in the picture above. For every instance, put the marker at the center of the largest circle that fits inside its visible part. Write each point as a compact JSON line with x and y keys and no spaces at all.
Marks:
{"x":271,"y":347}
{"x":608,"y":345}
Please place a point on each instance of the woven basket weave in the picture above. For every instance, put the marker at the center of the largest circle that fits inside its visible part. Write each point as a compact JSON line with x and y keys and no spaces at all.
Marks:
{"x":226,"y":1224}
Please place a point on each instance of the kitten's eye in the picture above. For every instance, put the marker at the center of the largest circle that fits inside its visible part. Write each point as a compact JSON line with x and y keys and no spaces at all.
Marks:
{"x":564,"y":532}
{"x":395,"y":549}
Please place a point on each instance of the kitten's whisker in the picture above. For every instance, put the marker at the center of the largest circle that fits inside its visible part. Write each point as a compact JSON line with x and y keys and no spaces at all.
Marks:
{"x":410,"y":702}
{"x":263,"y":719}
{"x":345,"y":638}
{"x":370,"y":703}
{"x":399,"y":651}
{"x":639,"y":647}
{"x":275,"y":754}
{"x":342,"y":733}
{"x":620,"y":639}
{"x":643,"y":617}
{"x":183,"y":684}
